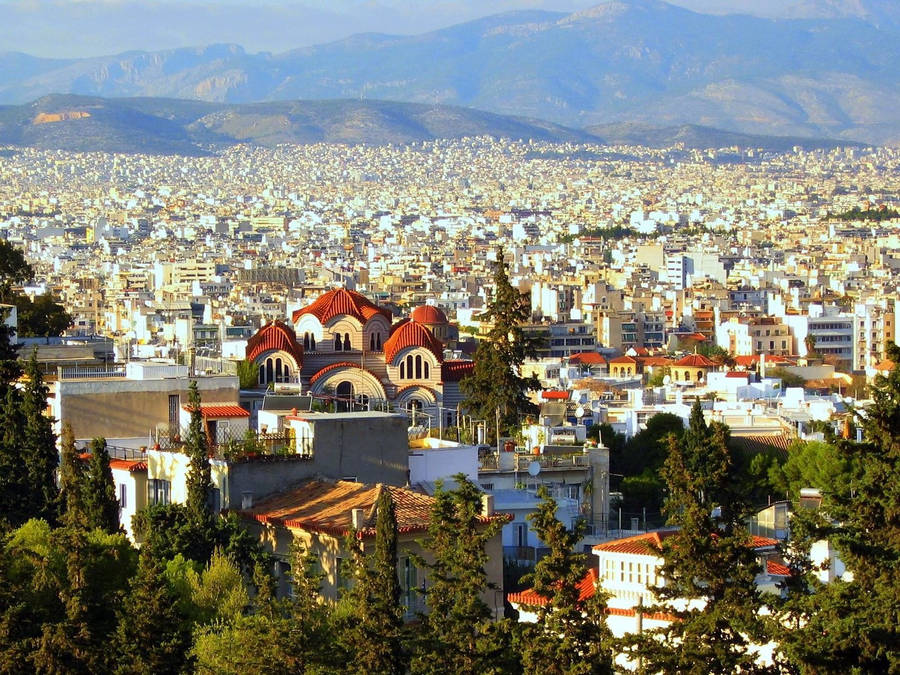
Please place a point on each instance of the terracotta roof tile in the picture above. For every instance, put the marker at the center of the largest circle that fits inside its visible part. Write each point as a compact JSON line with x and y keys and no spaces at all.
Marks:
{"x":777,"y":569}
{"x":341,"y":302}
{"x":274,"y":336}
{"x":695,"y":361}
{"x":219,"y":410}
{"x":553,"y":395}
{"x":587,"y":358}
{"x":530,"y":598}
{"x":412,"y":334}
{"x":454,"y":371}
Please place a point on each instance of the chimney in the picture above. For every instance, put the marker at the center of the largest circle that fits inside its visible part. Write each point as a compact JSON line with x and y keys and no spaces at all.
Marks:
{"x":357,"y":518}
{"x":487,"y":505}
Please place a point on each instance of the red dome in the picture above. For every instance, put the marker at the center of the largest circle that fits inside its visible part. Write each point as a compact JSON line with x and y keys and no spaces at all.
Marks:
{"x":429,"y":315}
{"x":274,"y":336}
{"x":339,"y":302}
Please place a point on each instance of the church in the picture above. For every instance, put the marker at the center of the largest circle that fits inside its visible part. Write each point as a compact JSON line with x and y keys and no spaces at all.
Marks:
{"x":345,"y":347}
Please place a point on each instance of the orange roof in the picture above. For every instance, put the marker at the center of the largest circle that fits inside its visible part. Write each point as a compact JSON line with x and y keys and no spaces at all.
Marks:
{"x":130,"y":465}
{"x":454,"y":371}
{"x":777,"y":569}
{"x":219,"y":410}
{"x":428,"y":314}
{"x":747,"y":360}
{"x":326,"y":506}
{"x":553,"y":395}
{"x":274,"y":336}
{"x":587,"y":358}
{"x":695,"y":361}
{"x":623,"y":359}
{"x":735,"y":373}
{"x":341,"y":302}
{"x":654,"y":361}
{"x":885,"y":366}
{"x":530,"y":598}
{"x":411,"y":334}
{"x":649,"y":542}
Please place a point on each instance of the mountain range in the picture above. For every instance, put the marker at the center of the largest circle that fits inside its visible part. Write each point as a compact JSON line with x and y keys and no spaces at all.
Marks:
{"x":641,"y":62}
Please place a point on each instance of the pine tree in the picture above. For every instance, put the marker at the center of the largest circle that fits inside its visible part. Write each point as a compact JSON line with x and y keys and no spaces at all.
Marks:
{"x":39,"y":445}
{"x":569,"y":636}
{"x":375,"y":616}
{"x":152,"y":636}
{"x":852,"y":625}
{"x":100,"y":503}
{"x":458,"y":636}
{"x":71,"y":481}
{"x":709,"y":567}
{"x":14,"y":502}
{"x":200,"y":518}
{"x":496,"y":384}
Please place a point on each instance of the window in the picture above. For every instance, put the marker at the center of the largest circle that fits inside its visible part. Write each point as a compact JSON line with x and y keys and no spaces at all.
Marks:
{"x":159,"y":491}
{"x":123,"y":496}
{"x":418,"y":367}
{"x":306,"y":341}
{"x":214,"y":499}
{"x":338,"y":345}
{"x":346,"y":342}
{"x":372,"y":342}
{"x":426,"y":368}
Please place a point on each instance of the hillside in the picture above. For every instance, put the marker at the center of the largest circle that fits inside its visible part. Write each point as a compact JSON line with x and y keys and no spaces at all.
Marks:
{"x":640,"y":61}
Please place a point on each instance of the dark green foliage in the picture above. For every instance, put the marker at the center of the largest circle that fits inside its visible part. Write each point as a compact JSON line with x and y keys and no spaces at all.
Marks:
{"x":198,"y":509}
{"x":71,"y":481}
{"x":101,"y":505}
{"x":876,"y":215}
{"x":458,"y":633}
{"x":10,"y":369}
{"x":813,"y":464}
{"x":647,"y":448}
{"x":14,"y":490}
{"x":248,"y":374}
{"x":570,"y":635}
{"x":41,"y":317}
{"x":14,"y":270}
{"x":152,"y":636}
{"x":38,"y":445}
{"x":708,"y":560}
{"x":374,"y":616}
{"x":613,"y":232}
{"x":496,"y":385}
{"x":853,"y":625}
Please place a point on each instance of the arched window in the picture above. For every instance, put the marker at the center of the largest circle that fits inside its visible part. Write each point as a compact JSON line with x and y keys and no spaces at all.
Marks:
{"x":687,"y":375}
{"x":409,"y":367}
{"x":418,"y":367}
{"x":306,"y":341}
{"x":346,"y":342}
{"x":372,"y":342}
{"x":403,"y":370}
{"x":269,"y":371}
{"x":378,"y":342}
{"x":278,"y":370}
{"x":425,"y":366}
{"x":337,"y":342}
{"x":699,"y":375}
{"x":312,"y":341}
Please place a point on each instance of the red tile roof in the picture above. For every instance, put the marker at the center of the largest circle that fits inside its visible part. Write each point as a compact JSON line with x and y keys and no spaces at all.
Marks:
{"x":326,"y":506}
{"x":219,"y":410}
{"x":429,"y":314}
{"x":412,"y":334}
{"x":130,"y":465}
{"x":654,"y":361}
{"x":747,"y":361}
{"x":587,"y":359}
{"x":454,"y":371}
{"x":274,"y":336}
{"x":530,"y":598}
{"x":737,"y":374}
{"x":649,"y":542}
{"x":340,"y":302}
{"x":623,"y":359}
{"x":695,"y":361}
{"x":553,"y":395}
{"x":777,"y":569}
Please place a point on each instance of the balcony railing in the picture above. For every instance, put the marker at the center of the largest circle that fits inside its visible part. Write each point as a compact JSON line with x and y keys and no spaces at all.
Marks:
{"x":89,"y":372}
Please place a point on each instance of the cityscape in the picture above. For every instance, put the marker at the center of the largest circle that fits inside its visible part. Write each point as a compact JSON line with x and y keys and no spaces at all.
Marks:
{"x":433,"y":390}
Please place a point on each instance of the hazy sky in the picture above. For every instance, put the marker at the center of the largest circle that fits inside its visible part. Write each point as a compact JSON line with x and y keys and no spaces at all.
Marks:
{"x":74,"y":28}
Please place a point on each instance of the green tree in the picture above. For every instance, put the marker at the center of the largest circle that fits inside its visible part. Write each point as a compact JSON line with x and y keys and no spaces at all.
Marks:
{"x":101,"y":506}
{"x":709,"y":566}
{"x":813,"y":464}
{"x":14,"y":488}
{"x":198,"y":509}
{"x":39,"y":445}
{"x":41,"y":317}
{"x":151,"y":636}
{"x":570,"y":635}
{"x":71,"y":480}
{"x":458,"y":636}
{"x":853,"y":625}
{"x":496,"y":385}
{"x":10,"y":369}
{"x":14,"y":270}
{"x":374,"y":621}
{"x":248,"y":374}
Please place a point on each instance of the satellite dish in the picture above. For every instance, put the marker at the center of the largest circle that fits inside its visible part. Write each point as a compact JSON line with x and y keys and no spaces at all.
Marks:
{"x":534,"y":468}
{"x":579,"y":411}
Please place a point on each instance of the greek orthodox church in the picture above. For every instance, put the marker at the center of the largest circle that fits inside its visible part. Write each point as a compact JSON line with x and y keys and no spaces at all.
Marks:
{"x":346,"y":346}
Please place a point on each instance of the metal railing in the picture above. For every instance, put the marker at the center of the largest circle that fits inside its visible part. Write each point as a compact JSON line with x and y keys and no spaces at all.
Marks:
{"x":89,"y":372}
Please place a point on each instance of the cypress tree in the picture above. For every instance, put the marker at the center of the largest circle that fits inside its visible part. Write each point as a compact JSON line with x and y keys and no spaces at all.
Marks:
{"x":14,"y":502}
{"x":458,"y":635}
{"x":200,"y":518}
{"x":570,"y":635}
{"x":100,"y":503}
{"x":152,"y":636}
{"x":496,"y":383}
{"x":71,"y":480}
{"x":373,"y":634}
{"x":709,"y":566}
{"x":39,"y":445}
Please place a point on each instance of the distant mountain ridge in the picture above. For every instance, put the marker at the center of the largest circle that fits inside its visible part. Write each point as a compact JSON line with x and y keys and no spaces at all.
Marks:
{"x":640,"y":61}
{"x":171,"y":126}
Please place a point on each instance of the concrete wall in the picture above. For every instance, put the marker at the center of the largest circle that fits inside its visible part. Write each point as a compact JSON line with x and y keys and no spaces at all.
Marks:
{"x":123,"y":408}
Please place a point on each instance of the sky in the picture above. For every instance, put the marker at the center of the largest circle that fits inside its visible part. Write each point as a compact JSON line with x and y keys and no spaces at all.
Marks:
{"x":79,"y":28}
